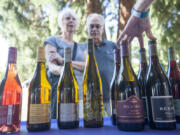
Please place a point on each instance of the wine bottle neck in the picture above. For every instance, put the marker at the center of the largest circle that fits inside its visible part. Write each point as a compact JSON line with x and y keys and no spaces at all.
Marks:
{"x":67,"y":55}
{"x":153,"y":55}
{"x":142,"y":55}
{"x":117,"y":56}
{"x":12,"y":55}
{"x":171,"y":54}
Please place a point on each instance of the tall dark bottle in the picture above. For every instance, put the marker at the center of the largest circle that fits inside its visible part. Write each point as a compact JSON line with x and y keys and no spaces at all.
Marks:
{"x":10,"y":96}
{"x":38,"y":118}
{"x":92,"y":91}
{"x":68,"y":99}
{"x":174,"y":78}
{"x":143,"y":67}
{"x":130,"y":116}
{"x":161,"y":113}
{"x":113,"y":85}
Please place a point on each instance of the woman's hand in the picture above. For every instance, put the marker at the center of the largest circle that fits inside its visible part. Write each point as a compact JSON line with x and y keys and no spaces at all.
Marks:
{"x":135,"y":28}
{"x":55,"y":57}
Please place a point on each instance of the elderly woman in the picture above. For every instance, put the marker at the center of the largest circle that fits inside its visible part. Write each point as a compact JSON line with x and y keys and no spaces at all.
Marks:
{"x":54,"y":50}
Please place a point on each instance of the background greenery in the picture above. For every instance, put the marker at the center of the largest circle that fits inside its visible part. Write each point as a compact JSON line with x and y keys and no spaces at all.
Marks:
{"x":27,"y":23}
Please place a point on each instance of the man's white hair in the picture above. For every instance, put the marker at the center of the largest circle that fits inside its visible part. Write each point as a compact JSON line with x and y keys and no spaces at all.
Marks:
{"x":63,"y":14}
{"x":95,"y":15}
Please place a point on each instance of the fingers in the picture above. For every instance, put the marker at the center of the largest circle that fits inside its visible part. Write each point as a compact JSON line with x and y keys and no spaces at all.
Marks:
{"x":150,"y":35}
{"x":121,"y":37}
{"x":141,"y":41}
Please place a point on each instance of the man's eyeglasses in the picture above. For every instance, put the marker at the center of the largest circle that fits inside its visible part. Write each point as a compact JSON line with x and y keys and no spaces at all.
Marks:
{"x":97,"y":26}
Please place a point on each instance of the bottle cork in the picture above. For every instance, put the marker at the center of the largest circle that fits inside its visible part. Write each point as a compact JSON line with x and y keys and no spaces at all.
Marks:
{"x":40,"y":54}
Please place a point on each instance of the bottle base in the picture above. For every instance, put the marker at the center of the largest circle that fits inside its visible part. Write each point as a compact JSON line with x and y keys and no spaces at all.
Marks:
{"x":38,"y":127}
{"x":68,"y":125}
{"x":178,"y":119}
{"x":113,"y":119}
{"x":163,"y":126}
{"x":130,"y":126}
{"x":9,"y":128}
{"x":93,"y":124}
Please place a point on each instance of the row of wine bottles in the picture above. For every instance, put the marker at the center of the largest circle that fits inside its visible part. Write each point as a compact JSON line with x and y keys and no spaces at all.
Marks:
{"x":129,"y":96}
{"x":148,"y":98}
{"x":39,"y":95}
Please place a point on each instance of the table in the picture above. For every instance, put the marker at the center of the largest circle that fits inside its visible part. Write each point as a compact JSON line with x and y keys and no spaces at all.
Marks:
{"x":108,"y":129}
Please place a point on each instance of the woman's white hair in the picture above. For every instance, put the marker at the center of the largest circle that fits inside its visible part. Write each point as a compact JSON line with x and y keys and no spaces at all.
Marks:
{"x":95,"y":15}
{"x":63,"y":14}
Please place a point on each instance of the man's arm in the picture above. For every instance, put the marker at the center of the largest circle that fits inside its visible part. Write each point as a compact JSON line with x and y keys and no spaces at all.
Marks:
{"x":143,"y":5}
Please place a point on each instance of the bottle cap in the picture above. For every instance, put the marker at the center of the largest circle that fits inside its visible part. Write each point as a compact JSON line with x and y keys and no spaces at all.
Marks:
{"x":152,"y":48}
{"x":67,"y":54}
{"x":171,"y":54}
{"x":152,"y":42}
{"x":40,"y":54}
{"x":12,"y":55}
{"x":124,"y":48}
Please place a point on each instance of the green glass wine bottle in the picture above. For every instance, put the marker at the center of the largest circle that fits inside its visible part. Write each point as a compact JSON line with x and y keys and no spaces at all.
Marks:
{"x":39,"y":97}
{"x":130,"y":115}
{"x":68,"y":99}
{"x":92,"y":91}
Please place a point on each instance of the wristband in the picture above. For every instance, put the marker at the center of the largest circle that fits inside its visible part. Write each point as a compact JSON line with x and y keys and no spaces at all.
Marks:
{"x":139,"y":14}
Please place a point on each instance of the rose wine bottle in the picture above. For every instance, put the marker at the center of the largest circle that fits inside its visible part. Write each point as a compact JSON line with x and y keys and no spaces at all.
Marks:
{"x":38,"y":118}
{"x":174,"y":78}
{"x":10,"y":96}
{"x":161,"y":112}
{"x":130,"y":115}
{"x":113,"y":85}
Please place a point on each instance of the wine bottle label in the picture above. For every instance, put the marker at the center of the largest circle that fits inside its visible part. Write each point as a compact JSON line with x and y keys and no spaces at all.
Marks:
{"x":93,"y":107}
{"x":162,"y":109}
{"x":39,"y":113}
{"x":69,"y":112}
{"x":145,"y":107}
{"x":177,"y":106}
{"x":9,"y":114}
{"x":130,"y":110}
{"x":113,"y":107}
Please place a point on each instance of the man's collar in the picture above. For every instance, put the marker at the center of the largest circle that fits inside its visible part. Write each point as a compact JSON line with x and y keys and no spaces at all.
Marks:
{"x":102,"y":43}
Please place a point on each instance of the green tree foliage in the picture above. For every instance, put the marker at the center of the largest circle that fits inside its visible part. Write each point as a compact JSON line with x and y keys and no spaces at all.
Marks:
{"x":166,"y":26}
{"x":27,"y":23}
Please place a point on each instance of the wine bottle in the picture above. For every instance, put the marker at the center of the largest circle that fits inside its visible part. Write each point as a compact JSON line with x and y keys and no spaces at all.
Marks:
{"x":92,"y":91}
{"x":68,"y":99}
{"x":10,"y":96}
{"x":130,"y":116}
{"x":174,"y":78}
{"x":38,"y":118}
{"x":142,"y":77}
{"x":113,"y":85}
{"x":161,"y":113}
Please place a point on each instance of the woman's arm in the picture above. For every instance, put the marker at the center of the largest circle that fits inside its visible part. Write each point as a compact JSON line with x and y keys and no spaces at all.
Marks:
{"x":54,"y":60}
{"x":80,"y":65}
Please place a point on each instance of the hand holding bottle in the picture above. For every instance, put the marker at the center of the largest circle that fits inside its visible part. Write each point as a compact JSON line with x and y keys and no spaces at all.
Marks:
{"x":135,"y":28}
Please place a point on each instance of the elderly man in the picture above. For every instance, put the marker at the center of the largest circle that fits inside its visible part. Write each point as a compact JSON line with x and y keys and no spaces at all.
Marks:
{"x":104,"y":53}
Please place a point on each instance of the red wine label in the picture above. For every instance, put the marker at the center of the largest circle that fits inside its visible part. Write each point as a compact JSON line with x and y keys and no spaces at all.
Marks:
{"x":177,"y":106}
{"x":69,"y":112}
{"x":9,"y":114}
{"x":130,"y":110}
{"x":39,"y":113}
{"x":163,"y":109}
